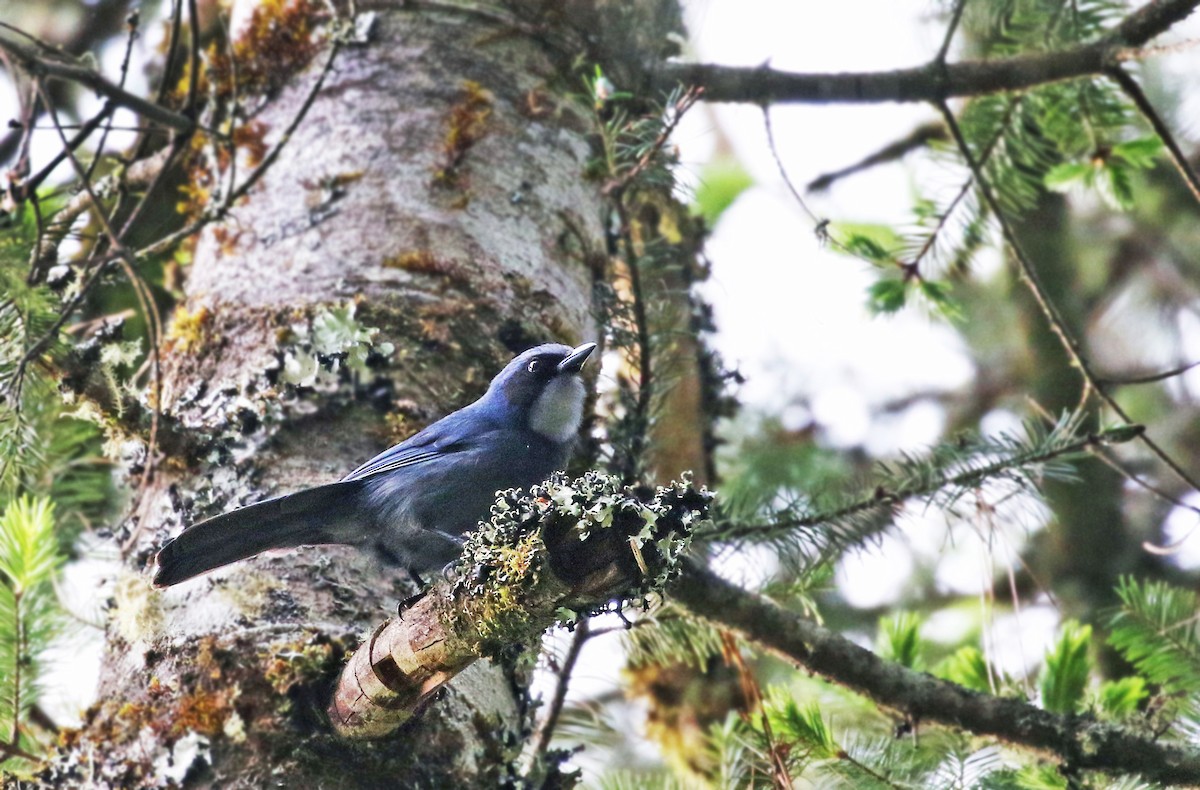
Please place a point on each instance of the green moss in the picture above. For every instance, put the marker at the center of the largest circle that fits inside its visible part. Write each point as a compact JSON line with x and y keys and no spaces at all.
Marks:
{"x":310,"y":661}
{"x":601,"y":539}
{"x":189,"y":330}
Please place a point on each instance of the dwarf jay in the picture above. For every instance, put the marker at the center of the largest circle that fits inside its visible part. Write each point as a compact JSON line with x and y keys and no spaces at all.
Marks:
{"x":413,"y":503}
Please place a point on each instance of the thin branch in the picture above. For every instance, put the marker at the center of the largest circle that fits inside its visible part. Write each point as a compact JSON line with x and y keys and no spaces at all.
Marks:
{"x":39,"y":65}
{"x":140,"y":288}
{"x":14,"y":739}
{"x":27,"y":187}
{"x":787,"y":180}
{"x":140,"y":173}
{"x":1082,"y":744}
{"x":194,"y":62}
{"x":20,"y":139}
{"x":1058,"y":326}
{"x":951,"y":29}
{"x":582,"y":633}
{"x":1142,"y":102}
{"x":916,"y":139}
{"x":934,"y":81}
{"x":172,"y":48}
{"x":8,"y":751}
{"x":966,"y":187}
{"x":132,"y":21}
{"x":221,"y":211}
{"x":645,"y":363}
{"x":1149,"y":378}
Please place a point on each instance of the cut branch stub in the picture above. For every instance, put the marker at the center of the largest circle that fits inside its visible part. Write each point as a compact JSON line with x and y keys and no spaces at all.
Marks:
{"x":568,"y":546}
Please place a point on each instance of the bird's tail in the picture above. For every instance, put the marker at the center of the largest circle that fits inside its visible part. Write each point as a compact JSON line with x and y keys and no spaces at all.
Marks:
{"x":312,"y":517}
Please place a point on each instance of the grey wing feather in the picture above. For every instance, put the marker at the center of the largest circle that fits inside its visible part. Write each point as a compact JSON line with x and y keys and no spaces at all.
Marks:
{"x":445,"y":436}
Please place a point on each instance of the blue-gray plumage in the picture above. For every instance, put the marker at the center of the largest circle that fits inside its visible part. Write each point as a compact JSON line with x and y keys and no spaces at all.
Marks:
{"x":413,"y":502}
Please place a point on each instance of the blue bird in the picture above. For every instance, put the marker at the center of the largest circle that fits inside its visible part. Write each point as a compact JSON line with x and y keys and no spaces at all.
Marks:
{"x":414,"y":502}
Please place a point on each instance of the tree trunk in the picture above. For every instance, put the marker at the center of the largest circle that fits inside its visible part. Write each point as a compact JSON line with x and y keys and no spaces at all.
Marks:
{"x":436,"y":185}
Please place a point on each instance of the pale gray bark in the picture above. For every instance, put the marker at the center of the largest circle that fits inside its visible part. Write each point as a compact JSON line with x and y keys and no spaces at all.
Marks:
{"x":458,"y":273}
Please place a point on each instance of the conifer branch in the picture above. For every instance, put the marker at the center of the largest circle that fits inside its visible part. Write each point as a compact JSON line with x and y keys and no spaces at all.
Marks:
{"x":1136,"y":95}
{"x":545,"y":732}
{"x":935,"y":81}
{"x":1059,"y":443}
{"x":1080,"y":743}
{"x":1057,"y":324}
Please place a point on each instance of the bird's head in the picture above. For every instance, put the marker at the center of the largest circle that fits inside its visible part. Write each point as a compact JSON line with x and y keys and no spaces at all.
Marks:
{"x":542,"y":386}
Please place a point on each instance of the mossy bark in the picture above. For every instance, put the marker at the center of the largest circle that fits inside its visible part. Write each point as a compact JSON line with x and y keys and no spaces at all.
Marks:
{"x":436,"y":184}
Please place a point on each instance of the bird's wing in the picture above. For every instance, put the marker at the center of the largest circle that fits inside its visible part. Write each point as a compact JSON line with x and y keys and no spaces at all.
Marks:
{"x":445,"y":437}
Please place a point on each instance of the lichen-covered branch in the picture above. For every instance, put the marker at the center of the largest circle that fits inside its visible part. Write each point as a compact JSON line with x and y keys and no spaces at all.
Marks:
{"x":935,"y":81}
{"x":567,"y":547}
{"x":1080,"y":742}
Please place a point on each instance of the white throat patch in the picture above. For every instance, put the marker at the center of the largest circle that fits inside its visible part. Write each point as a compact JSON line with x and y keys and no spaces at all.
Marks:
{"x":557,"y":412}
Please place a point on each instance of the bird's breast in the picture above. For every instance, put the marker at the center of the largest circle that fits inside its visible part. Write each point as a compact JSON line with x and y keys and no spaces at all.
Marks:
{"x":558,"y":411}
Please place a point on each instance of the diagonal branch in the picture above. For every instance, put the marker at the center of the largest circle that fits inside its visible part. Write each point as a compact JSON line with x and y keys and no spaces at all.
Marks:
{"x":518,"y":571}
{"x":1080,"y":742}
{"x":41,"y":65}
{"x":1058,"y":326}
{"x":1140,"y":100}
{"x":920,"y":137}
{"x":935,"y":81}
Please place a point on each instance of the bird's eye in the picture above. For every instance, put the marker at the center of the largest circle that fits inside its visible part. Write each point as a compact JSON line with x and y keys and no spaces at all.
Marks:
{"x":535,"y":366}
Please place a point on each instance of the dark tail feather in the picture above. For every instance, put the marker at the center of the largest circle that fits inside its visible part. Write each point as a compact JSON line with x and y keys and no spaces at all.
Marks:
{"x":306,"y":518}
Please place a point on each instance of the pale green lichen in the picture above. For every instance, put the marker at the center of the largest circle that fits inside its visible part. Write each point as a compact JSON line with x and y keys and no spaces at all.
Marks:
{"x":579,"y":527}
{"x":137,"y":611}
{"x":333,"y":339}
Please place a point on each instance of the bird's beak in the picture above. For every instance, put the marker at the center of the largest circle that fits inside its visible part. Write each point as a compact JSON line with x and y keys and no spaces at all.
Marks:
{"x":574,"y":361}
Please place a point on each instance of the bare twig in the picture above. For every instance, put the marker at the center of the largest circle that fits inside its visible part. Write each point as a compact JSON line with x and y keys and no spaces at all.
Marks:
{"x":38,"y":64}
{"x":914,"y":140}
{"x":966,"y":187}
{"x":1148,"y":378}
{"x":221,"y":211}
{"x":951,"y":29}
{"x":140,"y":287}
{"x":194,"y":59}
{"x":172,"y":49}
{"x":787,"y":180}
{"x":132,"y":22}
{"x":30,"y":185}
{"x":583,"y":632}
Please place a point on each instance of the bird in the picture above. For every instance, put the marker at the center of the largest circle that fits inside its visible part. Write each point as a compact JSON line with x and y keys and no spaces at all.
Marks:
{"x":413,"y":503}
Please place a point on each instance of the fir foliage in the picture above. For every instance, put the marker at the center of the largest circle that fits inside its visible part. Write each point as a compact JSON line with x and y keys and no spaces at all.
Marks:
{"x":29,"y":562}
{"x":968,"y":667}
{"x":1155,"y":630}
{"x":1067,"y":669}
{"x":53,"y":481}
{"x":672,"y":637}
{"x":820,"y":527}
{"x":900,"y":639}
